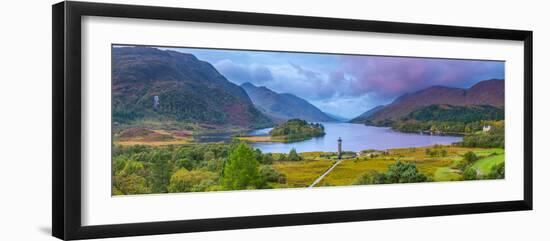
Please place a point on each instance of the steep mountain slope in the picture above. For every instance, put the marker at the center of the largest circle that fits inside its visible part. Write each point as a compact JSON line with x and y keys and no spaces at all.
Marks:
{"x":188,"y":90}
{"x":363,"y":117}
{"x":487,"y":92}
{"x":282,"y":107}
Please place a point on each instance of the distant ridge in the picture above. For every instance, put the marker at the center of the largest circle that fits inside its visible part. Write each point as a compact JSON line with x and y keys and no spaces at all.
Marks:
{"x":486,"y":92}
{"x":363,"y":117}
{"x":282,"y":107}
{"x":337,"y":117}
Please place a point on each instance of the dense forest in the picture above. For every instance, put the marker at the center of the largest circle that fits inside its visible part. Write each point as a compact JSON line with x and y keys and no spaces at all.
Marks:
{"x":465,"y":114}
{"x":492,"y":138}
{"x":464,"y":120}
{"x":143,"y":169}
{"x":164,"y":85}
{"x":297,"y":130}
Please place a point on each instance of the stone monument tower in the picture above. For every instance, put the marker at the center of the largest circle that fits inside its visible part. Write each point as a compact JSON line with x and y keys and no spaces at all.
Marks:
{"x":339,"y":148}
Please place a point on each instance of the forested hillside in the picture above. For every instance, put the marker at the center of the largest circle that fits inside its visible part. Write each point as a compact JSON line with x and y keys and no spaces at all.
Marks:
{"x":187,"y":89}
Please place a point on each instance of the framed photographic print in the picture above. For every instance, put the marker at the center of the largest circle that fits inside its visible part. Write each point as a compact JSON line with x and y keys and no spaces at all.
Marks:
{"x":170,"y":120}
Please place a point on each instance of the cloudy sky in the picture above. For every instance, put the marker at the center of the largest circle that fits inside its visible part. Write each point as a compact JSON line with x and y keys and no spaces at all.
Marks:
{"x":345,"y":85}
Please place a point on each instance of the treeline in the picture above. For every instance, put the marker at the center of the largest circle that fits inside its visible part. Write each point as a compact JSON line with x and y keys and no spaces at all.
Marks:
{"x":474,"y":136}
{"x":450,"y":113}
{"x":441,"y":127}
{"x":491,"y":138}
{"x":463,"y":120}
{"x":296,"y":129}
{"x":448,"y":119}
{"x":194,"y":168}
{"x":400,"y":172}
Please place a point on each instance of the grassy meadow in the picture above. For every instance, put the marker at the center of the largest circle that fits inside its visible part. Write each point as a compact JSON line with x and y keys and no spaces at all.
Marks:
{"x":436,"y":168}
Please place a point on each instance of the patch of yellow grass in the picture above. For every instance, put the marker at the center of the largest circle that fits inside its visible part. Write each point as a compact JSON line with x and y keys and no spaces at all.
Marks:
{"x":302,"y":173}
{"x":311,"y":155}
{"x":429,"y":166}
{"x":349,"y":170}
{"x":141,"y":140}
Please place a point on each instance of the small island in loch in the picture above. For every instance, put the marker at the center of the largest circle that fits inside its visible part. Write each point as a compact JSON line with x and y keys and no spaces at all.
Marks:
{"x":201,"y":120}
{"x":293,"y":130}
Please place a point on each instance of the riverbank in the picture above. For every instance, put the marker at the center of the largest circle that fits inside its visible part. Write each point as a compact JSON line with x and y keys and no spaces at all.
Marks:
{"x":279,"y":139}
{"x":259,"y":139}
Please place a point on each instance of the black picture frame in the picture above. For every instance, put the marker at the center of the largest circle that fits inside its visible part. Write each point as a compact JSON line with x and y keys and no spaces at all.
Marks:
{"x":66,"y":157}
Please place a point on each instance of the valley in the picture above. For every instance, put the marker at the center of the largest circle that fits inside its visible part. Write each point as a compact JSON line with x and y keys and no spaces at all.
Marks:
{"x":180,"y":125}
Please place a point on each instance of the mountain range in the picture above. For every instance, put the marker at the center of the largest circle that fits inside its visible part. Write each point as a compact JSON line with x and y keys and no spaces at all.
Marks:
{"x":148,"y":83}
{"x":281,"y":107}
{"x":487,"y":92}
{"x":169,"y":85}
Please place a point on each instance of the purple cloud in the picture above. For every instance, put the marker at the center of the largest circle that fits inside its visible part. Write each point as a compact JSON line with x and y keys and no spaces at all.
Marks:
{"x":239,"y":73}
{"x":346,"y":84}
{"x":389,"y":77}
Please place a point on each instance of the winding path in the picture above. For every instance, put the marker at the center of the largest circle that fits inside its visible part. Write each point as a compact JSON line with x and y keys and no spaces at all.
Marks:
{"x":324,"y":174}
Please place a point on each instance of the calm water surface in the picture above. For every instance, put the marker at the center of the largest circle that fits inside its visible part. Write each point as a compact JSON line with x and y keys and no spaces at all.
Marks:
{"x":355,"y":137}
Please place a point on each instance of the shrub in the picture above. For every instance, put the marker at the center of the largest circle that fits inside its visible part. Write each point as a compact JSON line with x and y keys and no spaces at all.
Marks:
{"x":404,"y":172}
{"x":470,"y":174}
{"x":470,"y":157}
{"x":191,"y":181}
{"x":209,"y":155}
{"x":400,"y":172}
{"x":130,"y":184}
{"x":267,"y":158}
{"x":497,"y":172}
{"x":282,"y":157}
{"x":293,"y":155}
{"x":270,"y":174}
{"x":130,"y":178}
{"x":371,"y":177}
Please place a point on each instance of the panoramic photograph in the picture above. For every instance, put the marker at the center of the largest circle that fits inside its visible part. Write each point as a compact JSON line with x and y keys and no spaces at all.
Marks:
{"x":204,"y":120}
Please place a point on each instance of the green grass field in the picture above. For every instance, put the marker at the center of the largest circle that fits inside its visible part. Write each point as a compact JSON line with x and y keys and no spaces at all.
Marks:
{"x":442,"y":167}
{"x":484,"y":165}
{"x":442,"y":174}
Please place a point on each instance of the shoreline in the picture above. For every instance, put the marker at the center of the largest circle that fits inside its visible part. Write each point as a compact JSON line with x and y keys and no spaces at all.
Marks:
{"x":457,"y":134}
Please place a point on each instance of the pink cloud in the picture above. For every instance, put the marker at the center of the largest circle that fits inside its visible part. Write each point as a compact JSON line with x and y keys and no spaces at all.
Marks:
{"x":389,"y":77}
